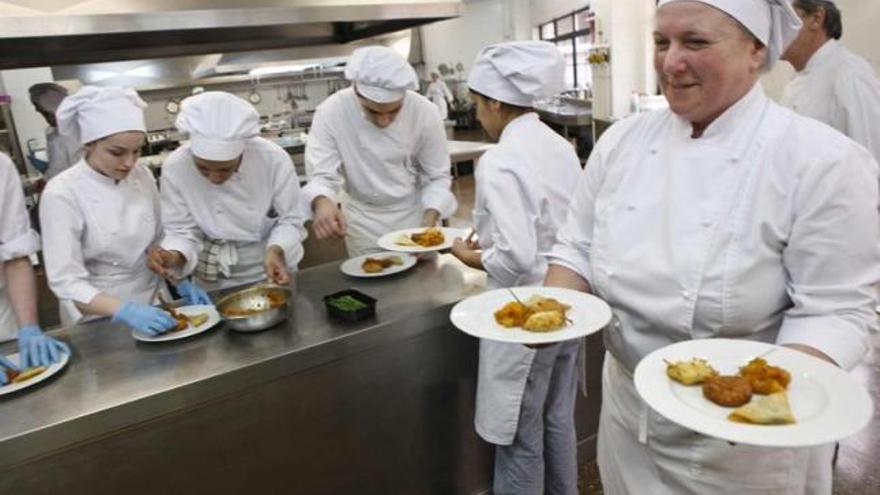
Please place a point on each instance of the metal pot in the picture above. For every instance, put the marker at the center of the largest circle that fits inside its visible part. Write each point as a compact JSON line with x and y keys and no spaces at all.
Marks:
{"x":255,"y":308}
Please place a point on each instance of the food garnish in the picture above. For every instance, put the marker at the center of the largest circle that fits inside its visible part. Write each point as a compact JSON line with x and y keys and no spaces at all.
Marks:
{"x":347,"y":303}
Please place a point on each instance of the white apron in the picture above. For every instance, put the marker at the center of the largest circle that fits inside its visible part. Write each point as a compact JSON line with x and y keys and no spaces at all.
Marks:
{"x":365,"y":222}
{"x":501,"y":380}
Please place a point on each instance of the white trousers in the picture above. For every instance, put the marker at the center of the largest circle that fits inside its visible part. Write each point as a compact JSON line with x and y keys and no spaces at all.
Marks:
{"x":676,"y":461}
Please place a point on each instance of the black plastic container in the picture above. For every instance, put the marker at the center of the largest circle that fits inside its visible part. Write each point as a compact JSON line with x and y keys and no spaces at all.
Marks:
{"x":351,"y":315}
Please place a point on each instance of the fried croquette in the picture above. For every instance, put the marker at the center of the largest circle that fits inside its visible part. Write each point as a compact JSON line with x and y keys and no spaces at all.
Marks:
{"x":727,"y":390}
{"x":764,"y":378}
{"x":512,"y":314}
{"x":691,"y":372}
{"x":544,"y":321}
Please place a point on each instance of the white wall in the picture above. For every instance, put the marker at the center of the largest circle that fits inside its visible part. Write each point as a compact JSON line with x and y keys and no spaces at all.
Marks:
{"x":544,"y":10}
{"x":459,"y":40}
{"x":861,"y":19}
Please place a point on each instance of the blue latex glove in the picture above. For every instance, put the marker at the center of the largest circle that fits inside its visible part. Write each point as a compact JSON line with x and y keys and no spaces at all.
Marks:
{"x":148,"y":320}
{"x":37,"y":348}
{"x":4,"y":365}
{"x":192,"y":293}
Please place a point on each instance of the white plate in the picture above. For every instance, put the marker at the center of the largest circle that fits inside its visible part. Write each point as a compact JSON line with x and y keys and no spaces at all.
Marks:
{"x":827,"y":403}
{"x":352,"y":267}
{"x":449,"y":235}
{"x":51,"y":370}
{"x":213,"y":319}
{"x":476,"y":315}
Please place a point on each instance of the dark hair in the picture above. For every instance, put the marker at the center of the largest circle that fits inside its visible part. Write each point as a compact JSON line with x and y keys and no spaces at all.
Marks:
{"x":506,"y":106}
{"x":833,"y":24}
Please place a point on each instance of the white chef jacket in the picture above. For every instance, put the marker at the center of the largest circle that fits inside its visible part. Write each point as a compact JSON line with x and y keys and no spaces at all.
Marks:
{"x":260,"y":203}
{"x":17,"y":238}
{"x":63,"y":151}
{"x":402,"y":168}
{"x":524,"y":185}
{"x":841,"y":89}
{"x":439,"y":94}
{"x":764,"y":228}
{"x":96,"y":233}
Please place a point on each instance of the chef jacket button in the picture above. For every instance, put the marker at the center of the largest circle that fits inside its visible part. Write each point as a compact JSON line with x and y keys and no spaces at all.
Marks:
{"x":653,"y":151}
{"x":630,"y":208}
{"x":706,"y":223}
{"x":734,"y":160}
{"x":686,"y":294}
{"x":115,"y":263}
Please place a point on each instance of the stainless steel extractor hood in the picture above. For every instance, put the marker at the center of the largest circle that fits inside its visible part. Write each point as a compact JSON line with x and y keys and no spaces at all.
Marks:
{"x":62,"y":32}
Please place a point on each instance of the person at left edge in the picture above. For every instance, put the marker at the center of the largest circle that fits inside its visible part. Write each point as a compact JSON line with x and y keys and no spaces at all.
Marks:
{"x":18,"y":295}
{"x":100,"y":216}
{"x":230,"y":199}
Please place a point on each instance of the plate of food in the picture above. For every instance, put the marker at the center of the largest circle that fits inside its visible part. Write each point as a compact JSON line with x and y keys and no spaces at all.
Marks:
{"x":421,"y":239}
{"x":191,"y":320}
{"x":531,"y":315}
{"x":378,"y":264}
{"x":753,"y":393}
{"x":31,"y":376}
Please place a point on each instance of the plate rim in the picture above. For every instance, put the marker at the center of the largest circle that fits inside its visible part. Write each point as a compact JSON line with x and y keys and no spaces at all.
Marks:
{"x":411,"y":259}
{"x":51,"y":371}
{"x":650,"y":381}
{"x":389,"y":245}
{"x":184,"y":334}
{"x":523,"y":336}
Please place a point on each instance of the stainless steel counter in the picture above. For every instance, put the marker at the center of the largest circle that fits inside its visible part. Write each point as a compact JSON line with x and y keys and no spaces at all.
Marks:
{"x":325,"y":405}
{"x":113,"y":380}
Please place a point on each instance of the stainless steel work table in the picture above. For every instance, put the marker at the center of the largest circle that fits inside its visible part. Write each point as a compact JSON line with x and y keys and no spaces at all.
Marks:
{"x":310,"y":406}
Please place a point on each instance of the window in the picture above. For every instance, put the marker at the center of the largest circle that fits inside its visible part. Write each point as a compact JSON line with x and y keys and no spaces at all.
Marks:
{"x":573,"y":34}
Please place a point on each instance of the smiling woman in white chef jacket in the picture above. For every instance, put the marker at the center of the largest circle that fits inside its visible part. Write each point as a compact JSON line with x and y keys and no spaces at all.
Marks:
{"x":385,"y":147}
{"x":18,"y":293}
{"x":100,"y":216}
{"x":726,"y":215}
{"x":525,"y":396}
{"x":230,"y":199}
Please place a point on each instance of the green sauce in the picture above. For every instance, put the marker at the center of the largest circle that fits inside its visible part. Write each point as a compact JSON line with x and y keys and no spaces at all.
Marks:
{"x":347,"y":303}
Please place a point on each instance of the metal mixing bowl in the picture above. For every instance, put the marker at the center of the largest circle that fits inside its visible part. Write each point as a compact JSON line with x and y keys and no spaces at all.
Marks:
{"x":256,"y":303}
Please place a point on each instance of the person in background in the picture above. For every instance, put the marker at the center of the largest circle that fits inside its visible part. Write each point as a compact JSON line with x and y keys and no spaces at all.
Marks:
{"x":525,"y":396}
{"x":18,"y":292}
{"x":62,"y":151}
{"x":101,"y":216}
{"x":230,"y":199}
{"x":439,"y":94}
{"x":726,"y":215}
{"x":385,"y":146}
{"x":832,"y":85}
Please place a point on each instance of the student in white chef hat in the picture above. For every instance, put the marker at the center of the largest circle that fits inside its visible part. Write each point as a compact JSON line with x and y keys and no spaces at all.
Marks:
{"x":525,"y":395}
{"x":230,"y":199}
{"x":388,"y":143}
{"x":724,"y":216}
{"x":100,"y":216}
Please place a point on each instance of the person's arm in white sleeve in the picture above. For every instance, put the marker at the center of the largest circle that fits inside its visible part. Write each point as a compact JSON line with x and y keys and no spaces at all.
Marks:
{"x":181,"y":232}
{"x":323,"y":162}
{"x":447,"y":94}
{"x":17,"y":242}
{"x":288,"y":232}
{"x":858,"y":98}
{"x":432,"y":157}
{"x":833,"y":259}
{"x":514,"y":245}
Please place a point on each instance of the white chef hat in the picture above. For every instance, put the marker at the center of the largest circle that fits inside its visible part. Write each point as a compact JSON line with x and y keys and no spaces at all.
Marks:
{"x":47,"y":96}
{"x":218,"y":124}
{"x":774,"y":22}
{"x":380,"y":74}
{"x":518,"y":72}
{"x":93,"y":113}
